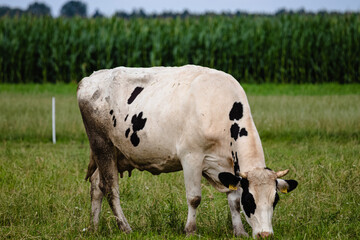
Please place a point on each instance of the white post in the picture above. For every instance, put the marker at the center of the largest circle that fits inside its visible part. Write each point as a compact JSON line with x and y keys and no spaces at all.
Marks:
{"x":53,"y":121}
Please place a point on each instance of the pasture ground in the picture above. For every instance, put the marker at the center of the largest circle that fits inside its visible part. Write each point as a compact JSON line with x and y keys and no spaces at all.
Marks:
{"x":313,"y":130}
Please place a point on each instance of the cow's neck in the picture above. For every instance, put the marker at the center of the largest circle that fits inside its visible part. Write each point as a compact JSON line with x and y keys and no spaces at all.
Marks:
{"x":249,"y":151}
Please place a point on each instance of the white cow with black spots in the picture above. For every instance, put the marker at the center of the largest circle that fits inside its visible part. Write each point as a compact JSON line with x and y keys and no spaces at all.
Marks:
{"x":167,"y":119}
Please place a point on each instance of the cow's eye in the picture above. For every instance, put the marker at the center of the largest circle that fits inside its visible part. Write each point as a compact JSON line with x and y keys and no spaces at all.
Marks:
{"x":276,"y":199}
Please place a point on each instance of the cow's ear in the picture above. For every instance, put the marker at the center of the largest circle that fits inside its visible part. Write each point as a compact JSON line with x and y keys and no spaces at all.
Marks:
{"x":286,"y":186}
{"x":229,"y":180}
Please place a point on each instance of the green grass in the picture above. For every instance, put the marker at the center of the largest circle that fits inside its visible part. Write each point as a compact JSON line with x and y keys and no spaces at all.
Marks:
{"x":301,"y":89}
{"x":314,"y":133}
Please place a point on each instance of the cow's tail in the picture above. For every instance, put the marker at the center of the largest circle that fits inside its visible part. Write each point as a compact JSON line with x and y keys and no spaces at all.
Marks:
{"x":91,"y":167}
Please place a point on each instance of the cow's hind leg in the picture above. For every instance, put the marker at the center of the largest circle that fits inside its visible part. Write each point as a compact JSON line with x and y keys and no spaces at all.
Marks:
{"x":96,"y":199}
{"x":95,"y":192}
{"x":192,"y":167}
{"x":104,"y":155}
{"x":234,"y":204}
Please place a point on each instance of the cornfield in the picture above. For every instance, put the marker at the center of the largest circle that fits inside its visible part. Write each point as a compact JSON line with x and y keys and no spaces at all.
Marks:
{"x":254,"y":49}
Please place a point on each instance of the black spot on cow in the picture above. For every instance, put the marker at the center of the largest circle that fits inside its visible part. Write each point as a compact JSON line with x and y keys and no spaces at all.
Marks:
{"x":127,"y":132}
{"x":269,"y":169}
{"x":126,"y":117}
{"x":230,"y":144}
{"x":243,"y":132}
{"x":236,"y":164}
{"x":234,"y":156}
{"x":236,"y":112}
{"x":247,"y":199}
{"x":134,"y":94}
{"x":135,"y":140}
{"x":113,"y":117}
{"x":277,"y":198}
{"x":138,"y":123}
{"x":234,"y":130}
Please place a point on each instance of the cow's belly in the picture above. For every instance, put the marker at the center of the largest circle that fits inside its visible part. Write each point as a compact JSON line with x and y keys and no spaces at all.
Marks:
{"x":153,"y":153}
{"x":146,"y":158}
{"x":157,"y":165}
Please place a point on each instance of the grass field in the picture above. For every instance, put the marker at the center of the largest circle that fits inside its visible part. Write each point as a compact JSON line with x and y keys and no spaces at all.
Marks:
{"x":314,"y":130}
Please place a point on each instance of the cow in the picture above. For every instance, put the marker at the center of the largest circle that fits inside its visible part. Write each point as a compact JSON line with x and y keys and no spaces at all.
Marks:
{"x":166,"y":119}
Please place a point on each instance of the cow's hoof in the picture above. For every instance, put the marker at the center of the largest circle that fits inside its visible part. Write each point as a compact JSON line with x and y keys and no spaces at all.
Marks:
{"x":190,"y":234}
{"x":125,"y":229}
{"x":190,"y":230}
{"x":92,"y":228}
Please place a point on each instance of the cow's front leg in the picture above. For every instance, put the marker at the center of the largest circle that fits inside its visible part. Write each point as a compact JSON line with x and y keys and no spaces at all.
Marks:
{"x":192,"y":167}
{"x":234,"y":204}
{"x":96,"y":199}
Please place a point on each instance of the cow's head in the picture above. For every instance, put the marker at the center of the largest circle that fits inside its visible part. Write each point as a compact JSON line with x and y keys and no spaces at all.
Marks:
{"x":259,"y":195}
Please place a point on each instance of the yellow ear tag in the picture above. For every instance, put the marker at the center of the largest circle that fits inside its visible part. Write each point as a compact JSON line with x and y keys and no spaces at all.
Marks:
{"x":284,"y":190}
{"x":232,"y":187}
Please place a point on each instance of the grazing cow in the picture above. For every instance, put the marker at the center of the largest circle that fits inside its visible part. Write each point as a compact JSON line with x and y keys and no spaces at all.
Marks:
{"x":167,"y":119}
